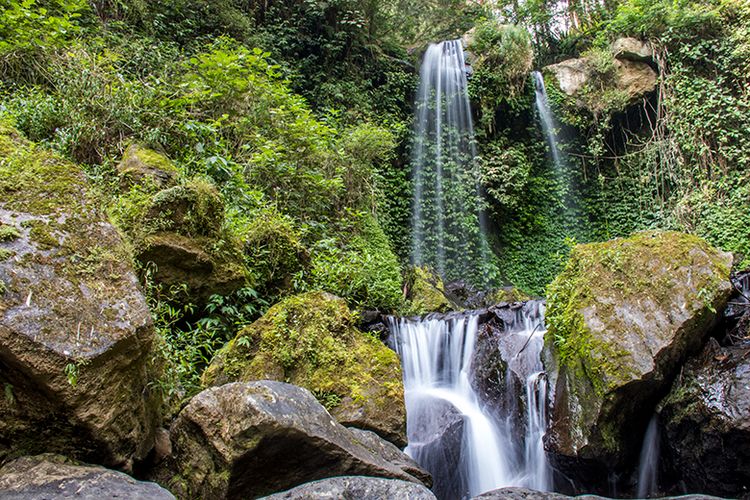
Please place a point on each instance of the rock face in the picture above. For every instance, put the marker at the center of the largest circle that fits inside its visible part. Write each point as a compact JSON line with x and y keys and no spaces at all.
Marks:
{"x":75,"y":330}
{"x":526,"y":494}
{"x":622,"y":317}
{"x":311,"y":340}
{"x":607,"y":86}
{"x":53,"y":476}
{"x":426,"y":293}
{"x":707,"y":421}
{"x":361,"y":488}
{"x":632,"y":49}
{"x":243,"y":440}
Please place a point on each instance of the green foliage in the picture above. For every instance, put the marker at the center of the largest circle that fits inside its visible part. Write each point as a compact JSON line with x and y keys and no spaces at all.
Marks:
{"x":505,"y":173}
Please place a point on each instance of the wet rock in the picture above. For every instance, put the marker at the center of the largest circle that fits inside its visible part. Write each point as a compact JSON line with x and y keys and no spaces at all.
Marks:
{"x":632,"y":49}
{"x":361,"y":488}
{"x":54,"y":476}
{"x":622,"y":317}
{"x":436,"y":432}
{"x":707,"y":421}
{"x":141,"y":165}
{"x":245,"y":440}
{"x":526,"y":494}
{"x":311,"y":340}
{"x":390,"y":453}
{"x":75,"y":329}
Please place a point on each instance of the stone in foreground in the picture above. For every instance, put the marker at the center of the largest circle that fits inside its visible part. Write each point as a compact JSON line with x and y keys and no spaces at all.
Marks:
{"x":75,"y":330}
{"x":53,"y":476}
{"x":361,"y":488}
{"x":243,"y":440}
{"x":622,"y":317}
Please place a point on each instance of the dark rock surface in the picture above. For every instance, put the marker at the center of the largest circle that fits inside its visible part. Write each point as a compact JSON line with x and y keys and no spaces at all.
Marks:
{"x":244,"y":440}
{"x":390,"y":453}
{"x":526,"y":494}
{"x":51,"y":477}
{"x":707,"y":421}
{"x":356,"y":488}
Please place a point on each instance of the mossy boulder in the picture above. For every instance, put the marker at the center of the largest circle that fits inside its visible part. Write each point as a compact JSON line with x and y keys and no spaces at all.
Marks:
{"x":426,"y":293}
{"x":75,"y":330}
{"x":623,"y":316}
{"x":179,"y":235}
{"x":143,"y":166}
{"x":311,"y":340}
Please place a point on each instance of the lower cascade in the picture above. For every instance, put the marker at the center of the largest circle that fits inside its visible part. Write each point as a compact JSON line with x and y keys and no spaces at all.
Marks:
{"x":470,"y":444}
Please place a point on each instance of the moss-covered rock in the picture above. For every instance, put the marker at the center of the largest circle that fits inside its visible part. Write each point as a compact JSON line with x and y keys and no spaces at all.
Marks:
{"x":426,"y":293}
{"x":179,"y":234}
{"x":75,"y":330}
{"x":311,"y":340}
{"x":140,"y":165}
{"x":622,"y":316}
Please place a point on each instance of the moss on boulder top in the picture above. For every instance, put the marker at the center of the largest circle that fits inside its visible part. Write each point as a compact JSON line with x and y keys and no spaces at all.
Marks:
{"x":75,"y":330}
{"x":426,"y":293}
{"x":622,"y":316}
{"x":311,"y":340}
{"x":140,"y":165}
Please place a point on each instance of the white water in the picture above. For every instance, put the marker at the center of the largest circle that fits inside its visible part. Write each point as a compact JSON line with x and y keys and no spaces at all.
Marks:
{"x":549,"y":124}
{"x":648,"y":466}
{"x":448,"y":231}
{"x":436,"y":356}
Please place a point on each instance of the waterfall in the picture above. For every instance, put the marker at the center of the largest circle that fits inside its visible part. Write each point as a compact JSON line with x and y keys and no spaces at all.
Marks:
{"x":648,"y":466}
{"x":451,"y":431}
{"x":448,"y":231}
{"x":549,"y":125}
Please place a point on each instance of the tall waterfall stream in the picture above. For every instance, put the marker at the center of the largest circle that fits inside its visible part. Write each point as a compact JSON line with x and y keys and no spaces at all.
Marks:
{"x":452,"y":431}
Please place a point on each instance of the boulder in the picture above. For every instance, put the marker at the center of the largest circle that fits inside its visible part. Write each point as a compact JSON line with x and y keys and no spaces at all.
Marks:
{"x":707,"y":421}
{"x":436,"y":431}
{"x":311,"y":340}
{"x":244,"y":440}
{"x":623,"y":316}
{"x":179,"y":237}
{"x":140,"y":165}
{"x":361,"y":488}
{"x":632,"y":49}
{"x":75,"y":330}
{"x":390,"y":453}
{"x":426,"y":293}
{"x":54,"y":476}
{"x":623,"y":83}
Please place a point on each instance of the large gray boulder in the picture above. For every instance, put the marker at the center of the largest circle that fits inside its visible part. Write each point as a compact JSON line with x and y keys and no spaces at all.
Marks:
{"x":244,"y":440}
{"x":623,"y":316}
{"x":526,"y":494}
{"x":707,"y":421}
{"x":632,"y":49}
{"x":390,"y":453}
{"x":75,"y":330}
{"x":356,"y":487}
{"x":53,"y":476}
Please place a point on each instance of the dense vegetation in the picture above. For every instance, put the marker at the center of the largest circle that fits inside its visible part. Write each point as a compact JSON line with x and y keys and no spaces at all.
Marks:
{"x":298,"y":115}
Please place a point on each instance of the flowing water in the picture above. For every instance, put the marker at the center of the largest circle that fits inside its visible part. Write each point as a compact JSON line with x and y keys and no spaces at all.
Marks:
{"x":547,"y":119}
{"x":448,"y":231}
{"x":452,"y":432}
{"x":648,"y":466}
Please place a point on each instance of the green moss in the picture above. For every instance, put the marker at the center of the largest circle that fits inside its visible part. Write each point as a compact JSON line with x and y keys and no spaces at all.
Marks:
{"x":145,"y":157}
{"x":426,"y":293}
{"x":8,"y":233}
{"x":3,"y":288}
{"x":41,"y":234}
{"x":311,"y":340}
{"x":6,"y":254}
{"x":625,"y":267}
